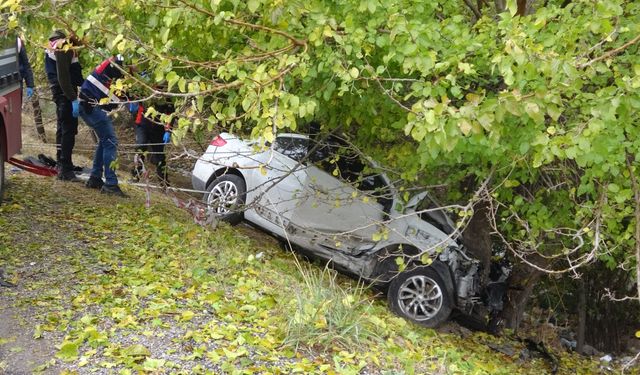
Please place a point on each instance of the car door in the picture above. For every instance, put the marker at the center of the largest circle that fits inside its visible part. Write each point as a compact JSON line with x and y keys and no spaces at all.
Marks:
{"x":282,"y":180}
{"x":338,"y":214}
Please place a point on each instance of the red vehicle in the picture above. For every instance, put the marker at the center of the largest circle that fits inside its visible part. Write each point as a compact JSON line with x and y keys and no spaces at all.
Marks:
{"x":10,"y":104}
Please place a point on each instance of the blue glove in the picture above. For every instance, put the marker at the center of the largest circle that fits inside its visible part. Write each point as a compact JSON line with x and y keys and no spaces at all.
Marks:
{"x":167,"y":137}
{"x":133,"y":107}
{"x":75,"y":108}
{"x":29,"y":92}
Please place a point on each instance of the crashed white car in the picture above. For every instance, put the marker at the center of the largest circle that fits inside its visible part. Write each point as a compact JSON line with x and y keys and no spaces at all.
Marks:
{"x":327,"y":199}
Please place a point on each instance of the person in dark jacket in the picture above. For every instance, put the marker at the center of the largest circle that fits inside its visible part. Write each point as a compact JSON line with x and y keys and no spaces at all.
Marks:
{"x":97,"y":99}
{"x":26,"y":74}
{"x":24,"y":66}
{"x":151,"y":137}
{"x":64,"y":74}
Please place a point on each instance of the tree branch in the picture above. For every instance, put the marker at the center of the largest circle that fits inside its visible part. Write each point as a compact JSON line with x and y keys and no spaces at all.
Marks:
{"x":232,"y":21}
{"x":611,"y":53}
{"x":473,"y":8}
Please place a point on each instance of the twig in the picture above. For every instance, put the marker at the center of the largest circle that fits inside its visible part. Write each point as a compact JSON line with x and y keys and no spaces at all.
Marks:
{"x":473,"y":8}
{"x":611,"y":53}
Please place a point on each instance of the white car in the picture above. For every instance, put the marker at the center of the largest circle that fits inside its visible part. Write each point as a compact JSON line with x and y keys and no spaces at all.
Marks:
{"x":327,"y":199}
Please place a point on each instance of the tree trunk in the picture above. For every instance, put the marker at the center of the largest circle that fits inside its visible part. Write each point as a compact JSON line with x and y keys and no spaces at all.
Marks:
{"x":522,"y":8}
{"x":477,"y":238}
{"x":521,"y":285}
{"x":582,"y":315}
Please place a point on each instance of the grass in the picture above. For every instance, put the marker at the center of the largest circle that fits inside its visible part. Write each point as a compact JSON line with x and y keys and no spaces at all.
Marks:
{"x":108,"y":286}
{"x":327,"y":313}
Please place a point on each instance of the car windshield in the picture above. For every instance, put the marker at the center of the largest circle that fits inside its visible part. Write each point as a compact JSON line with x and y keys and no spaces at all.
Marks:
{"x":430,"y":211}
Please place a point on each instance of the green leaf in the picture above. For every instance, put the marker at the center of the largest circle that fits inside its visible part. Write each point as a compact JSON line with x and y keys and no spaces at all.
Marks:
{"x":172,"y":77}
{"x":151,"y":364}
{"x":253,"y":5}
{"x":613,"y":188}
{"x":137,"y":350}
{"x":354,"y":72}
{"x":400,"y":263}
{"x":512,"y":6}
{"x":426,"y":259}
{"x":294,"y":101}
{"x":68,"y":351}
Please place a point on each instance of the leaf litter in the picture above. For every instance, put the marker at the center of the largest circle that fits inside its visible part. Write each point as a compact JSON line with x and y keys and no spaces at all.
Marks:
{"x":106,"y":286}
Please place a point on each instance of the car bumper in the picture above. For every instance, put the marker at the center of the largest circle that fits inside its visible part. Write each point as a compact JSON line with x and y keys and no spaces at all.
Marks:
{"x":200,"y":176}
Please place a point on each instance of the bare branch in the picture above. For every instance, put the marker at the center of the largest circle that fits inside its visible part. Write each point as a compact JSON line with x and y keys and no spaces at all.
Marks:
{"x":473,"y":8}
{"x":611,"y":53}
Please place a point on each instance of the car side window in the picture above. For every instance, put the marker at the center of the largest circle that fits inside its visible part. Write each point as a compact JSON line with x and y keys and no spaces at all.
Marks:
{"x":295,"y":148}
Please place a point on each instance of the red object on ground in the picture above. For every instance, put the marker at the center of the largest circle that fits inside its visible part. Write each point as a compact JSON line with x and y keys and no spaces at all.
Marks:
{"x":37,"y":169}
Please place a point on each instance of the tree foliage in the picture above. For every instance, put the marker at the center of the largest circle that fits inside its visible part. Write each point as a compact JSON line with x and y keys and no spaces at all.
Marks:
{"x":546,"y":105}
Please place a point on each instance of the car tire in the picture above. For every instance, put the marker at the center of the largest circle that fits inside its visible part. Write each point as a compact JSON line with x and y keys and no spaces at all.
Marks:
{"x":231,"y":190}
{"x":420,"y":296}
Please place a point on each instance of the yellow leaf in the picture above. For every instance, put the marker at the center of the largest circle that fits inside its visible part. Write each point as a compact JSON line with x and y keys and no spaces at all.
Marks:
{"x":187,"y":315}
{"x":267,"y":133}
{"x":426,"y":259}
{"x":465,"y":127}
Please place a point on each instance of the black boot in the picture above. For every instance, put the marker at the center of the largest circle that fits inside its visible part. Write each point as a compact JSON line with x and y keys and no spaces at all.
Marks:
{"x":113,"y":190}
{"x":94,"y":183}
{"x":68,"y":176}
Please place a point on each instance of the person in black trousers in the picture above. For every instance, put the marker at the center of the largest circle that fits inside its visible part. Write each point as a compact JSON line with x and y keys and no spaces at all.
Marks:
{"x":64,"y":74}
{"x":151,"y":137}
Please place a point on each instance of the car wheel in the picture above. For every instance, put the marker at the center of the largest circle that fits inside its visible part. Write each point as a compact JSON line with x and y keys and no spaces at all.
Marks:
{"x":420,"y":295}
{"x":226,"y":197}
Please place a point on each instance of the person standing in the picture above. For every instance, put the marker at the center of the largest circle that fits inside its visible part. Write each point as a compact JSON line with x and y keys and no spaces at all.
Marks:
{"x":26,"y":74}
{"x":94,"y":92}
{"x":24,"y":66}
{"x":151,"y":137}
{"x":64,"y":74}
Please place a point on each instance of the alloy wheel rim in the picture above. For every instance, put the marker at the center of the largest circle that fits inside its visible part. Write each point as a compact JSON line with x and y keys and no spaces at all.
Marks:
{"x":420,"y":297}
{"x":223,"y":197}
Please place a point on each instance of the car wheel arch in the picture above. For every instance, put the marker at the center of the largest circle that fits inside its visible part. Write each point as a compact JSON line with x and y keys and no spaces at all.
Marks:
{"x":222,"y":171}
